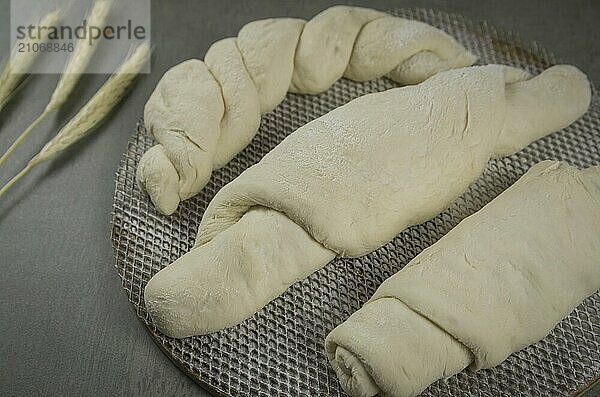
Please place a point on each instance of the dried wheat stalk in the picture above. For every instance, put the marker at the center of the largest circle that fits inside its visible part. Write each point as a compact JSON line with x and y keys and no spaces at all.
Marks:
{"x":19,"y":63}
{"x":74,"y":68}
{"x":94,"y":111}
{"x":80,"y":58}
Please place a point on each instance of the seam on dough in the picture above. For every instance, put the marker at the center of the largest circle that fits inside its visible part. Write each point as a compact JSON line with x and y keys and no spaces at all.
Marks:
{"x":295,"y":51}
{"x":246,"y":68}
{"x":225,"y":107}
{"x":222,"y":97}
{"x":287,"y":216}
{"x":247,"y":209}
{"x":430,"y":114}
{"x":468,"y":261}
{"x":457,"y":339}
{"x":187,"y":159}
{"x":358,"y":35}
{"x":351,"y":375}
{"x":179,"y":179}
{"x":185,"y":135}
{"x":467,"y":121}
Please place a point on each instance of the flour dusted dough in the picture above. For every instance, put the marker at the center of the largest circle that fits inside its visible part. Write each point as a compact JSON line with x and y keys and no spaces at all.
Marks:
{"x":350,"y":181}
{"x":359,"y":175}
{"x":267,"y":47}
{"x":385,"y":43}
{"x":496,"y":283}
{"x":202,"y":124}
{"x":223,"y":281}
{"x":242,"y":106}
{"x":325,"y":47}
{"x":186,"y":109}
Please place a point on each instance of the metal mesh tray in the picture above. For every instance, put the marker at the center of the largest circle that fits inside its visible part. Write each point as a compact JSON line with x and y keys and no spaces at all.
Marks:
{"x":279,"y":351}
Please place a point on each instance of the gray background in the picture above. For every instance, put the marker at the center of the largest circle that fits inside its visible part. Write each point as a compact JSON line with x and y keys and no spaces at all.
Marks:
{"x":66,"y":327}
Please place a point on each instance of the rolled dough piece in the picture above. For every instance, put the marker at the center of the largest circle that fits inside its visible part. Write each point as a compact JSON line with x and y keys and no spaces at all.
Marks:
{"x":352,"y":180}
{"x":203,"y":124}
{"x":496,"y":283}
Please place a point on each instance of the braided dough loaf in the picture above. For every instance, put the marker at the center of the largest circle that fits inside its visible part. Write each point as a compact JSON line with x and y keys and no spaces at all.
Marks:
{"x":203,"y":113}
{"x":496,"y":283}
{"x":350,"y":181}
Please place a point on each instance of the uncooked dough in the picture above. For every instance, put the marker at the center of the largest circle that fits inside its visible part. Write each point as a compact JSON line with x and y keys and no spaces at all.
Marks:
{"x":201,"y":125}
{"x":496,"y":283}
{"x":347,"y":183}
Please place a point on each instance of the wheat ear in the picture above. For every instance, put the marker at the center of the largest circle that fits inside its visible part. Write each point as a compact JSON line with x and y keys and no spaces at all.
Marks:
{"x":19,"y":63}
{"x":80,"y":58}
{"x":74,"y":68}
{"x":94,"y":111}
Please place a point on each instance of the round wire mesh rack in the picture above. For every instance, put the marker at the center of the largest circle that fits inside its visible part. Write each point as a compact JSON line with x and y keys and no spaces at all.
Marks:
{"x":279,"y":351}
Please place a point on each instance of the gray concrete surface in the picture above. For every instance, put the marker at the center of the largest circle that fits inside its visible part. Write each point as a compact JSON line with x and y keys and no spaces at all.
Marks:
{"x":66,"y":327}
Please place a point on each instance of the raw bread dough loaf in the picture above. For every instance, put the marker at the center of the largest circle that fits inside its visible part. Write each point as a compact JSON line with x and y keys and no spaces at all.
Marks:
{"x":362,"y":173}
{"x":352,"y":180}
{"x":496,"y":283}
{"x":203,"y":113}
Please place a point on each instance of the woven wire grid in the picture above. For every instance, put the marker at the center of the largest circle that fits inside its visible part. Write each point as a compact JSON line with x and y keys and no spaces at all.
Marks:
{"x":280,"y":350}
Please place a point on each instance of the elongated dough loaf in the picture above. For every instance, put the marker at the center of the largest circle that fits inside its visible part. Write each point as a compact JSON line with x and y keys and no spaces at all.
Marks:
{"x":350,"y":181}
{"x":203,"y":113}
{"x":362,"y":173}
{"x":496,"y":283}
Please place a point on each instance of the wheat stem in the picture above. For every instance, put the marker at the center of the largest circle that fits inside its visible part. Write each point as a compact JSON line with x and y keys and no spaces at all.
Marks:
{"x":24,"y":171}
{"x":22,"y":137}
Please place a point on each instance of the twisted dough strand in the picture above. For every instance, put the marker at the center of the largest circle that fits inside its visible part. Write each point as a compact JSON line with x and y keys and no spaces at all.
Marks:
{"x":203,"y":113}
